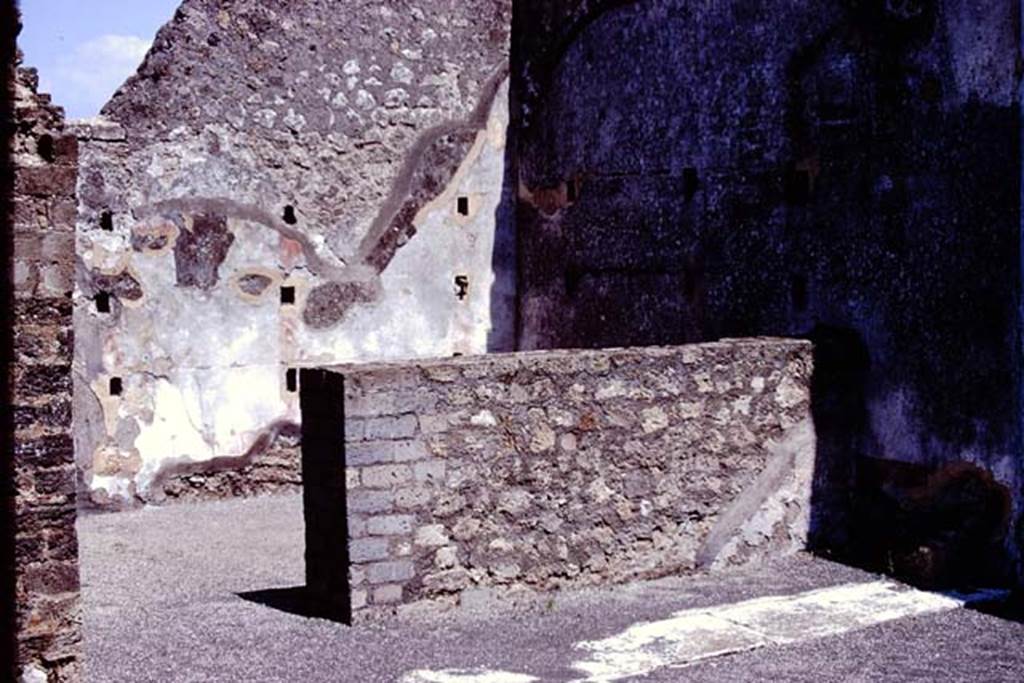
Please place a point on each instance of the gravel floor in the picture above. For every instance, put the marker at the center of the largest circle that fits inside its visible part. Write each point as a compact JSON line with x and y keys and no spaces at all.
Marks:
{"x":163,"y":599}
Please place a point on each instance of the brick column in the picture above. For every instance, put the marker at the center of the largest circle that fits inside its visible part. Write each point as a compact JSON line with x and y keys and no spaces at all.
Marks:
{"x":39,"y":490}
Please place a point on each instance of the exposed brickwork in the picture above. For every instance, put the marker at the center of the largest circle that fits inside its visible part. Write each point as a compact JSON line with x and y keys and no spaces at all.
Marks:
{"x":46,"y":549}
{"x":548,"y":470}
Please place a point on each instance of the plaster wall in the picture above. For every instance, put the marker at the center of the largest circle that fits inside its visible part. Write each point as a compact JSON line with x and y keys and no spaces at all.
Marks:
{"x":282,"y":185}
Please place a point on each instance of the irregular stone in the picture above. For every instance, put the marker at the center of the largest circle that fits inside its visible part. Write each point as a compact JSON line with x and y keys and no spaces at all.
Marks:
{"x":431,"y":535}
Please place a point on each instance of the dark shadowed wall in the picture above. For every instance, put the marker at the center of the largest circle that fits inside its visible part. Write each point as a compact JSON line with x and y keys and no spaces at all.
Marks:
{"x":848,"y":170}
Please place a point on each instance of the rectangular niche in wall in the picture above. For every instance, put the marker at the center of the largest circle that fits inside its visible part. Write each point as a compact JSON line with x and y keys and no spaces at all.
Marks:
{"x":796,"y":186}
{"x":102,"y":300}
{"x":691,"y":183}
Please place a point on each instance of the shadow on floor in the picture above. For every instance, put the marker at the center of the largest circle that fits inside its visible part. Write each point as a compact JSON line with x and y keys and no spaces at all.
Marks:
{"x":295,"y":600}
{"x":1010,"y":609}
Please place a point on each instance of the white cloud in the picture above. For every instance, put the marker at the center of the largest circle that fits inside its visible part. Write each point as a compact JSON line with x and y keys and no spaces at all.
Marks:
{"x":85,"y":78}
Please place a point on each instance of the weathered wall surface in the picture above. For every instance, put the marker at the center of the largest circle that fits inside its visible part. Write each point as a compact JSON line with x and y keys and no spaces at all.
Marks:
{"x":848,"y":170}
{"x":40,"y":542}
{"x":553,"y":469}
{"x":283,"y":184}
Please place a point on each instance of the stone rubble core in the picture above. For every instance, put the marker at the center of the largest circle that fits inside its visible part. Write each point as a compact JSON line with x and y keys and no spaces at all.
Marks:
{"x":437,"y":480}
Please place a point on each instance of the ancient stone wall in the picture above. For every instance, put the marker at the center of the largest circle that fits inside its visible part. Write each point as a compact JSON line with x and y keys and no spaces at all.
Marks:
{"x":845,"y":170}
{"x":282,"y":184}
{"x":546,"y":470}
{"x":39,"y":459}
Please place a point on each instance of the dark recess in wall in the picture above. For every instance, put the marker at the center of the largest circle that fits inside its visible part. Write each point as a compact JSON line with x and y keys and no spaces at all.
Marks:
{"x":324,"y":494}
{"x":102,"y":302}
{"x":9,"y":28}
{"x":46,"y":149}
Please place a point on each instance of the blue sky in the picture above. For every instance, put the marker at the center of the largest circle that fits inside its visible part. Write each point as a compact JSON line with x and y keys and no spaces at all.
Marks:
{"x":85,"y":49}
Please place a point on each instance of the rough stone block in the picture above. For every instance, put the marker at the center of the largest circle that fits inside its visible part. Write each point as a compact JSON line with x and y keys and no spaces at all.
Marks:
{"x":362,"y":500}
{"x":432,"y":535}
{"x":409,"y":451}
{"x":390,"y":525}
{"x":384,"y":595}
{"x":367,"y":453}
{"x":386,"y":476}
{"x":391,"y":427}
{"x":390,"y":572}
{"x":431,"y":471}
{"x":356,"y":526}
{"x":380,"y":452}
{"x":368,"y":550}
{"x":413,"y":497}
{"x":434,"y":424}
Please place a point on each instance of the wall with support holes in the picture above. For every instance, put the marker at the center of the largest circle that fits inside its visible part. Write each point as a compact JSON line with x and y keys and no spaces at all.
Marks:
{"x":39,"y":541}
{"x":282,"y":186}
{"x":537,"y":471}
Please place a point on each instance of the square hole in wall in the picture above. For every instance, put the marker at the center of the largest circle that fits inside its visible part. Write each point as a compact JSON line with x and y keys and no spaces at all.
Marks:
{"x":102,"y":300}
{"x":798,"y":293}
{"x":796,"y":186}
{"x":691,"y":182}
{"x":116,"y":386}
{"x":572,"y":190}
{"x":291,"y":380}
{"x":462,"y":206}
{"x":107,"y":221}
{"x":287,"y":295}
{"x":46,"y":148}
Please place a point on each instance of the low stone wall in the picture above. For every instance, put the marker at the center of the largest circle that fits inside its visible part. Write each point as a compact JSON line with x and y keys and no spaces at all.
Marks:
{"x":550,"y":469}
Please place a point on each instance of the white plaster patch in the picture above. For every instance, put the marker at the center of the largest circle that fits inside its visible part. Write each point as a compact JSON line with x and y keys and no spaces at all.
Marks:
{"x":694,"y":635}
{"x":465,"y":676}
{"x":419,"y":313}
{"x":484,"y":418}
